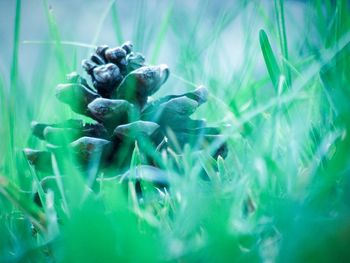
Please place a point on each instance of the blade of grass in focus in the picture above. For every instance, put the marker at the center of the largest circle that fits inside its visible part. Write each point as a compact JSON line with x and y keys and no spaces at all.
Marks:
{"x":270,"y":59}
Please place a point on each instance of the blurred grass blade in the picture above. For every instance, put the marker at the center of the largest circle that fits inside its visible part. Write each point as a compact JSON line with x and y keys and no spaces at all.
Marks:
{"x":67,"y":43}
{"x":14,"y":90}
{"x":60,"y":183}
{"x":270,"y":59}
{"x":6,"y":128}
{"x":134,"y":163}
{"x":162,"y":33}
{"x":3,"y":101}
{"x":209,"y":164}
{"x":101,"y":21}
{"x":224,"y":20}
{"x":55,"y":36}
{"x":140,"y":24}
{"x":116,"y":23}
{"x":221,"y":168}
{"x":14,"y":66}
{"x":279,"y":9}
{"x":12,"y":193}
{"x":39,"y":188}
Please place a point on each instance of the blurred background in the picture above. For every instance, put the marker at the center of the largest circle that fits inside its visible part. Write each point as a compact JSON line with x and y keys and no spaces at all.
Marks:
{"x":221,"y":29}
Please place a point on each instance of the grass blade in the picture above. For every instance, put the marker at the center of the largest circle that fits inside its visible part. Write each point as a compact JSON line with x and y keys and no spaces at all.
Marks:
{"x":162,"y":33}
{"x":116,"y":22}
{"x":4,"y":130}
{"x":12,"y":193}
{"x":282,"y":38}
{"x":101,"y":21}
{"x":14,"y":90}
{"x":139,"y":26}
{"x":134,"y":163}
{"x":67,"y":43}
{"x":270,"y":59}
{"x":55,"y":36}
{"x":14,"y":66}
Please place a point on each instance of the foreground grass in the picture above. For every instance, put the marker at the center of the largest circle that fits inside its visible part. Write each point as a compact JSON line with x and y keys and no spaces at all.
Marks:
{"x":282,"y":194}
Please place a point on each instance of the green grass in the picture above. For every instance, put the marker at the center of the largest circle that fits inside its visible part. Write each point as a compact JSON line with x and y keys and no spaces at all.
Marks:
{"x":281,"y":195}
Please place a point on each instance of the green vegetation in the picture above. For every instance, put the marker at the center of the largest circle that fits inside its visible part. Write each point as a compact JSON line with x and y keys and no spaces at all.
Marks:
{"x":282,"y":194}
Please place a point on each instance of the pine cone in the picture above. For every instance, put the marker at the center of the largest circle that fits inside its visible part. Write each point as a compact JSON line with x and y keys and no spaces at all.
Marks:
{"x":123,"y":112}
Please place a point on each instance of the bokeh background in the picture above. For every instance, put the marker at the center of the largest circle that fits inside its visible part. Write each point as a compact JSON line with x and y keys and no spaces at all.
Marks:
{"x":191,"y":24}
